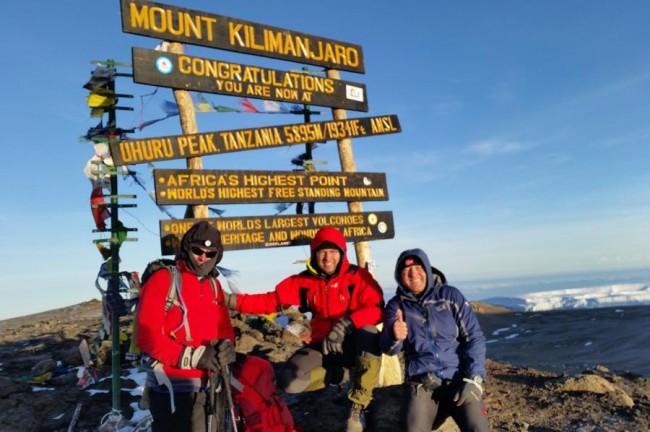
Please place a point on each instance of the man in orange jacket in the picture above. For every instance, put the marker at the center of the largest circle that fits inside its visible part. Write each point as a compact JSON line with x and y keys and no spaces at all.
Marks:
{"x":346,"y":303}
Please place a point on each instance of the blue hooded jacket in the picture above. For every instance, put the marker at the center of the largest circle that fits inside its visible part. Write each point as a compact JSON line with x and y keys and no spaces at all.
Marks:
{"x":444,"y":335}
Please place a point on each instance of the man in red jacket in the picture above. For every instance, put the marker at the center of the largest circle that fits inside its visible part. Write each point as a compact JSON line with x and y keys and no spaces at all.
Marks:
{"x":188,"y":339}
{"x":346,"y":303}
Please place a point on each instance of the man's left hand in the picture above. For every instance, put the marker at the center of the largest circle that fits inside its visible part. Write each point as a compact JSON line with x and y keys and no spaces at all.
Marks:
{"x":225,"y":353}
{"x":333,"y":343}
{"x":470,"y":391}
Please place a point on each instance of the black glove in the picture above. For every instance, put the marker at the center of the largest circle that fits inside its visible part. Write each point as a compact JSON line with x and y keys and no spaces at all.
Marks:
{"x":226,"y":354}
{"x":470,"y":391}
{"x":333,"y":343}
{"x":230,"y":300}
{"x":201,"y":357}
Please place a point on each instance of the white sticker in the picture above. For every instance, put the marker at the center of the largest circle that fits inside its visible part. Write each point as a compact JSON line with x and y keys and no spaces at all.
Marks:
{"x":382,"y":228}
{"x":164,"y":65}
{"x":354,"y":93}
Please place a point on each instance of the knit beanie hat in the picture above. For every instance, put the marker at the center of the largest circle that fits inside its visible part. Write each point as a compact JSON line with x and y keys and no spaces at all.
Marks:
{"x":408,"y":261}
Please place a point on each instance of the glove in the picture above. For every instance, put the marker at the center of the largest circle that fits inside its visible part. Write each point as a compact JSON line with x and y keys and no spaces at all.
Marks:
{"x":230,"y":300}
{"x":225,"y":352}
{"x":201,"y":357}
{"x":333,"y":343}
{"x":470,"y":391}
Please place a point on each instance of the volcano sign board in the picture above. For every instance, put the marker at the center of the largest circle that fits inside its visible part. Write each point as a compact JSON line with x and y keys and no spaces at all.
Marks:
{"x":183,"y":25}
{"x":128,"y":152}
{"x":180,"y":71}
{"x":254,"y":232}
{"x":176,"y":186}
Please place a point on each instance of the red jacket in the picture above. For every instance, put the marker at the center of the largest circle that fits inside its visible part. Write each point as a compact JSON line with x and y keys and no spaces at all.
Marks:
{"x":162,"y":335}
{"x":351,"y":292}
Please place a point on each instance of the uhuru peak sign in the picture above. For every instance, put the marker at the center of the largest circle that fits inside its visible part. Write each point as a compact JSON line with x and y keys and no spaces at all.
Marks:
{"x":214,"y":31}
{"x":273,"y":231}
{"x":236,"y":187}
{"x":185,"y":72}
{"x":184,"y":146}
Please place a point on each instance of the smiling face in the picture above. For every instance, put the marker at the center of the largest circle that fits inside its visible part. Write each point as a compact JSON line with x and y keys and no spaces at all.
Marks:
{"x":328,"y":260}
{"x":414,"y":278}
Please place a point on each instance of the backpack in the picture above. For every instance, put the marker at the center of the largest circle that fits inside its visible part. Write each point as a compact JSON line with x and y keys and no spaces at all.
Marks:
{"x":258,"y":406}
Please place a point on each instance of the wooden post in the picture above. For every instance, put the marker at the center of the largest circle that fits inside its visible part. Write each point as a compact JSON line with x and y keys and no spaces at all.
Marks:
{"x":348,"y":165}
{"x":188,"y":125}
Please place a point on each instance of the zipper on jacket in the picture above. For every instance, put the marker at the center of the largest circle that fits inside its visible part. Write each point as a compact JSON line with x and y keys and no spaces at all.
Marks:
{"x":431,"y":337}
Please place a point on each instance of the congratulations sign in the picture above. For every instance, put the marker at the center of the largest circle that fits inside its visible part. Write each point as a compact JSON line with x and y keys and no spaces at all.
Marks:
{"x":185,"y":72}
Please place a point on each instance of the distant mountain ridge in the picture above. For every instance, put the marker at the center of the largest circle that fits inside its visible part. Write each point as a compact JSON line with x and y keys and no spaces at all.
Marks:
{"x":577,"y":298}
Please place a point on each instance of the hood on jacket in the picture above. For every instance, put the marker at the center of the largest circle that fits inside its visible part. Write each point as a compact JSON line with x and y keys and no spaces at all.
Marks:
{"x":329,"y":237}
{"x":434,"y":276}
{"x":208,"y":238}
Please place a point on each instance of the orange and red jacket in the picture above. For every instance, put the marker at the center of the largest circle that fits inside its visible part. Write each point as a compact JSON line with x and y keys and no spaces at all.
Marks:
{"x":162,"y":335}
{"x":352,"y":292}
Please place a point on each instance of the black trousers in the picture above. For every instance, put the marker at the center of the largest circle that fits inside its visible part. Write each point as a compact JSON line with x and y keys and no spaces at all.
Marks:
{"x":191,"y":413}
{"x":423,"y":410}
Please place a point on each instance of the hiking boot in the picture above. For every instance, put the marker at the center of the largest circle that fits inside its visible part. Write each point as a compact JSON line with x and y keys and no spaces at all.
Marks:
{"x":356,"y":421}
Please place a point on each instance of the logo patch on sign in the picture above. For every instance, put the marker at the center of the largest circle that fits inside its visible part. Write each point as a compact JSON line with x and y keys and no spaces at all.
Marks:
{"x":354,"y":93}
{"x":164,"y":65}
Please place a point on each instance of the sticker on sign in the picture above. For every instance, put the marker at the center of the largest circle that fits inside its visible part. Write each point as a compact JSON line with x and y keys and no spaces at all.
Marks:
{"x":354,"y":93}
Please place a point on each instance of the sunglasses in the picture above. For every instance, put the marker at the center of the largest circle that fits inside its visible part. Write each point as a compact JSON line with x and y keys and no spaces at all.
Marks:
{"x":198,"y":252}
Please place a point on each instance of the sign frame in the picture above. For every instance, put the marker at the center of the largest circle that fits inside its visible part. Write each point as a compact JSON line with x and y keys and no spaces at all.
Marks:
{"x":186,"y":72}
{"x":261,"y":232}
{"x":195,"y":27}
{"x":129,"y":152}
{"x":182,"y":186}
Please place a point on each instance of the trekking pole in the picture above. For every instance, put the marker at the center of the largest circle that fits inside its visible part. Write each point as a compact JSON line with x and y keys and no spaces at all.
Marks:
{"x":212,"y":407}
{"x":213,"y":393}
{"x":225,"y":373}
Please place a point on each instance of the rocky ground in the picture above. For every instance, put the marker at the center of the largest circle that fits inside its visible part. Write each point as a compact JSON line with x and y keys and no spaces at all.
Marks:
{"x":39,"y":362}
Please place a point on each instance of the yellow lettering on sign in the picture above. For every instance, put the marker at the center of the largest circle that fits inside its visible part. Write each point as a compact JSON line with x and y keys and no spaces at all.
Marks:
{"x":192,"y":145}
{"x":302,"y":133}
{"x":285,"y":43}
{"x":182,"y":194}
{"x":176,"y":23}
{"x":281,"y":222}
{"x":229,"y":238}
{"x":364,"y":193}
{"x":241,"y":193}
{"x":327,"y":180}
{"x":318,"y":192}
{"x":267,"y":180}
{"x":146,"y":150}
{"x":382,"y":125}
{"x":357,"y":231}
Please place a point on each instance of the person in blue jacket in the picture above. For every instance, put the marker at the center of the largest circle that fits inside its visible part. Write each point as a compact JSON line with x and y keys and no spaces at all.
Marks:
{"x":444,"y":348}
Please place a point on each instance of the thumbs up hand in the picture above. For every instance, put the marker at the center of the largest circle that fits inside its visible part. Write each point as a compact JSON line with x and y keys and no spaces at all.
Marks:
{"x":400,"y":329}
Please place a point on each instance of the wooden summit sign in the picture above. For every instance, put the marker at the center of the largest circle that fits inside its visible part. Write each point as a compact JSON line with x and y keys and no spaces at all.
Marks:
{"x":254,"y":232}
{"x":185,"y":146}
{"x":176,"y":186}
{"x":180,"y":71}
{"x":214,"y":31}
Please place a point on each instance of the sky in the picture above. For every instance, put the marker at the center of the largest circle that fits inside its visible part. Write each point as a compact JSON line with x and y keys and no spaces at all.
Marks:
{"x":524,"y":147}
